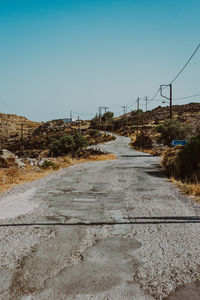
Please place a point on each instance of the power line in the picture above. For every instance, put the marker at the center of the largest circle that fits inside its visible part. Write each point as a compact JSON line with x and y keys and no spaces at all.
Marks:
{"x":77,"y":113}
{"x":176,"y":99}
{"x":181,"y":98}
{"x":10,"y":107}
{"x":129,"y":106}
{"x":186,"y":64}
{"x":152,"y":99}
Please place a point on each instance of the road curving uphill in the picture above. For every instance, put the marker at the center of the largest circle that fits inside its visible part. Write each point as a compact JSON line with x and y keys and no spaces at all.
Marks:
{"x":102,"y":230}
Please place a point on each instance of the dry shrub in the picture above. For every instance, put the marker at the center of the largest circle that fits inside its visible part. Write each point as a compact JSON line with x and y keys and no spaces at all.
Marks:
{"x":150,"y":151}
{"x":169,"y":160}
{"x":188,"y":188}
{"x":143,"y":141}
{"x":192,"y":189}
{"x":13,"y":176}
{"x":101,"y":157}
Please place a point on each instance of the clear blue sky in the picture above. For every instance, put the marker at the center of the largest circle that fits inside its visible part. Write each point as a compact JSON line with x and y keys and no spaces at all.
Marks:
{"x":57,"y":56}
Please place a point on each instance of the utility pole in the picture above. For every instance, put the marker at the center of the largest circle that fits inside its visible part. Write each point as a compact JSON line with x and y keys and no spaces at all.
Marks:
{"x":0,"y":146}
{"x":168,"y":98}
{"x":138,"y":107}
{"x":105,"y":108}
{"x":124,"y":109}
{"x":146,"y":100}
{"x":100,"y":111}
{"x":70,"y":116}
{"x":79,"y":128}
{"x":22,"y":138}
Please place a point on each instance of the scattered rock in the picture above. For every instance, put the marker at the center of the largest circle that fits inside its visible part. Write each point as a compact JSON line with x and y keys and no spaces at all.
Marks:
{"x":7,"y":159}
{"x":20,"y":163}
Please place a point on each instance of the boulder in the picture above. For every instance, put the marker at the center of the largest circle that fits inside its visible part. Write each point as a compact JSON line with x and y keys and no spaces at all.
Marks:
{"x":7,"y":159}
{"x":19,"y":162}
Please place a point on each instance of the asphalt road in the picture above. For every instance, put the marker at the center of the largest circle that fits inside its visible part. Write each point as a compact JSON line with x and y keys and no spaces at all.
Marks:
{"x":152,"y":251}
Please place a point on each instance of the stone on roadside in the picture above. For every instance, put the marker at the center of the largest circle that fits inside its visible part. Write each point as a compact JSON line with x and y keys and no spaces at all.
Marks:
{"x":7,"y":159}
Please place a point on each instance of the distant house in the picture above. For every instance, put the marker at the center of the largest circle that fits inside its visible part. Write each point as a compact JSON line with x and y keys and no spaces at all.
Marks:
{"x":68,"y":120}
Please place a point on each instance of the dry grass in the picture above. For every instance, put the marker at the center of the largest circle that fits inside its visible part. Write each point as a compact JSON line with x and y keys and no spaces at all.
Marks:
{"x":192,"y":189}
{"x":13,"y":176}
{"x":149,"y":151}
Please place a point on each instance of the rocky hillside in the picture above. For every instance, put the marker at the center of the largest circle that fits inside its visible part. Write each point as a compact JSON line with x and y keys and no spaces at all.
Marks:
{"x":10,"y":126}
{"x":188,"y":112}
{"x":38,"y":136}
{"x":130,"y":123}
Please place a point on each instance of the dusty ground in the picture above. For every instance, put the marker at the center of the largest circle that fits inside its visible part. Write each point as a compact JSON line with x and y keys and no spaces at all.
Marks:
{"x":138,"y":261}
{"x":10,"y":177}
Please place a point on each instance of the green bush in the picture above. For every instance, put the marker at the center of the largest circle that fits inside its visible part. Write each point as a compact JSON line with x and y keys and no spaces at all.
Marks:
{"x":107,"y":117}
{"x":49,"y":164}
{"x":95,"y":122}
{"x":79,"y":141}
{"x":119,"y":123}
{"x":171,"y":130}
{"x":135,"y":113}
{"x":143,"y":141}
{"x":67,"y":144}
{"x":94,"y":132}
{"x":183,"y":162}
{"x":188,"y":159}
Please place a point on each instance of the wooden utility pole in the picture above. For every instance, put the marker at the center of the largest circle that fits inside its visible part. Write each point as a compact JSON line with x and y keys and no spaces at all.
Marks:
{"x":100,"y":112}
{"x":168,"y":98}
{"x":79,"y":128}
{"x":105,"y":108}
{"x":146,"y":100}
{"x":170,"y":105}
{"x":70,"y":116}
{"x":0,"y":146}
{"x":124,"y":109}
{"x":22,"y":139}
{"x":138,"y":107}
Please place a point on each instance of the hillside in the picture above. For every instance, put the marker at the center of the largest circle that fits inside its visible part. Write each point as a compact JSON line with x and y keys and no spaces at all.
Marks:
{"x":37,"y":137}
{"x":133,"y":122}
{"x":10,"y":126}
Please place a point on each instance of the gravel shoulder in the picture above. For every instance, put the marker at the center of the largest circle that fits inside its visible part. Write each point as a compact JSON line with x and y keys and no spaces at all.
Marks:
{"x":142,"y":261}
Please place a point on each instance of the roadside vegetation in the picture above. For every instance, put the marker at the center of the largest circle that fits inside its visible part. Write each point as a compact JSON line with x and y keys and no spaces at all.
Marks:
{"x":153,"y":132}
{"x":172,"y":130}
{"x":67,"y":144}
{"x":183,"y":165}
{"x":47,"y":147}
{"x":12,"y":176}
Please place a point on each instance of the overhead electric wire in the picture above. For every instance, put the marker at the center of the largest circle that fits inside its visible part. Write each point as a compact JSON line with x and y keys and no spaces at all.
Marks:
{"x":185,"y":64}
{"x":186,"y":97}
{"x":132,"y":104}
{"x":183,"y":68}
{"x":11,"y":108}
{"x":178,"y":99}
{"x":82,"y":114}
{"x":152,"y":99}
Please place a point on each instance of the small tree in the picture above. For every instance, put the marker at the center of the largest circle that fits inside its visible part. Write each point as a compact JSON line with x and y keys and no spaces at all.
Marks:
{"x":108,"y":116}
{"x":79,"y":141}
{"x":64,"y":145}
{"x":95,"y":122}
{"x":139,"y":112}
{"x":143,"y":141}
{"x":173,"y":129}
{"x":188,"y":159}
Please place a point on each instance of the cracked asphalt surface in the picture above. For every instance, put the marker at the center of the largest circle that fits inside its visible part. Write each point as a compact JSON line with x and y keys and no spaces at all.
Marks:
{"x":138,"y":261}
